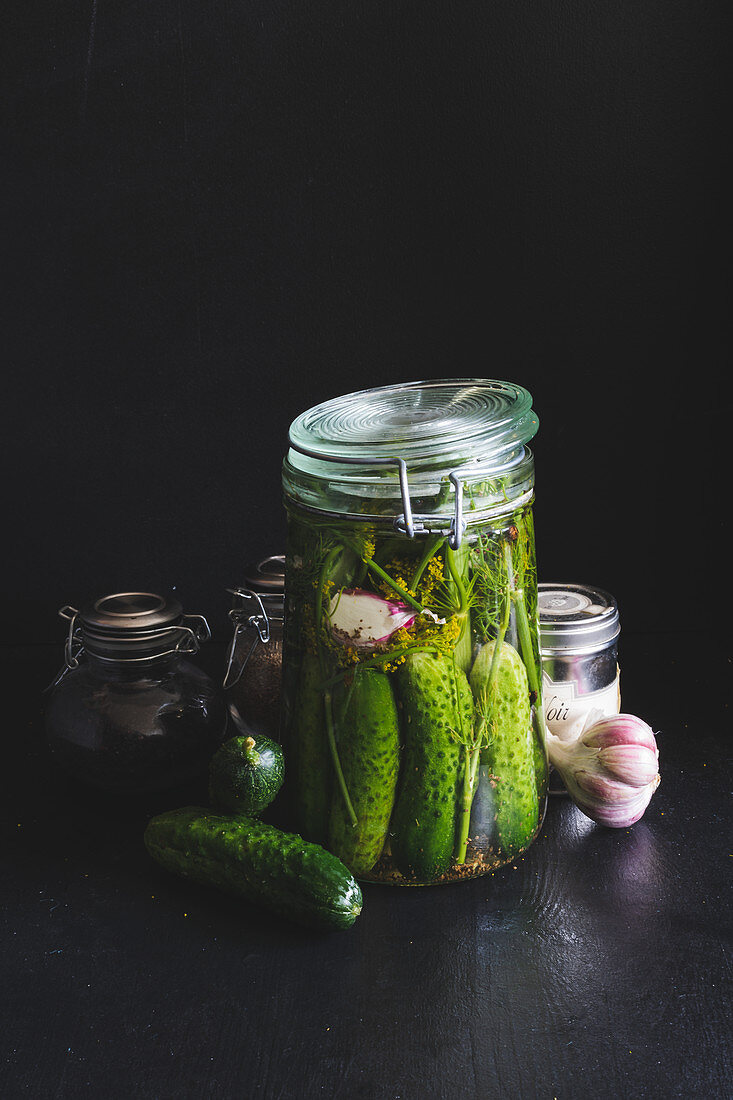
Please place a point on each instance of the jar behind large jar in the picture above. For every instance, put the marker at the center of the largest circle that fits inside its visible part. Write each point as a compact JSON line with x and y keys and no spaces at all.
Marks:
{"x":129,"y":714}
{"x":412,"y":681}
{"x":254,"y":662}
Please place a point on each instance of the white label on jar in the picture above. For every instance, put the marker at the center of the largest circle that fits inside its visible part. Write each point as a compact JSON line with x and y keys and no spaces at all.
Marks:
{"x":566,"y":709}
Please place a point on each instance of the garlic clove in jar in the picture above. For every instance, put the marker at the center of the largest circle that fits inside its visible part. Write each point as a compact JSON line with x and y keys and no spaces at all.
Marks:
{"x":363,"y":619}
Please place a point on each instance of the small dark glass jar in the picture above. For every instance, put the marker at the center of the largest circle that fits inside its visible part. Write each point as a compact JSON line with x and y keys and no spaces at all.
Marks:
{"x":128,"y":713}
{"x":254,"y":663}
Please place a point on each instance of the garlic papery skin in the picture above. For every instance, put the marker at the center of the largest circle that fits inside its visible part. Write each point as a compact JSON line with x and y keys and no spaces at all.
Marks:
{"x":611,"y":770}
{"x":364,"y":620}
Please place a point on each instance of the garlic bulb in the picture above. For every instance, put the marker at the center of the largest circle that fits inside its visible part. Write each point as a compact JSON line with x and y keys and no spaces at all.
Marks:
{"x":611,"y":770}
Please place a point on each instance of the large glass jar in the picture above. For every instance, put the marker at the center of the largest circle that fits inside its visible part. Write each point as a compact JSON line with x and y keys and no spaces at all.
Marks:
{"x":412,"y":716}
{"x":129,"y":714}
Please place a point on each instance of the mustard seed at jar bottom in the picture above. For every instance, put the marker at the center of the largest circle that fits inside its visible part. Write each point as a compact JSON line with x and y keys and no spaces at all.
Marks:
{"x":412,"y":714}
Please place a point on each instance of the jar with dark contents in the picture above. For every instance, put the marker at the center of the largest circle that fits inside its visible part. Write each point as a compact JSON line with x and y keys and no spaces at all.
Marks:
{"x":129,"y":713}
{"x":254,"y":663}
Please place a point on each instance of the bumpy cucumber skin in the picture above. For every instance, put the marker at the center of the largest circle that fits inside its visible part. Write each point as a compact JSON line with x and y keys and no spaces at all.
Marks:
{"x":437,"y":709}
{"x":310,"y":751}
{"x":244,"y":856}
{"x":369,"y":750}
{"x":244,"y":779}
{"x":511,"y":754}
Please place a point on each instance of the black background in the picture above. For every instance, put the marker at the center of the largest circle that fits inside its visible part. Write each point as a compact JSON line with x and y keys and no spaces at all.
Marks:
{"x":219,"y":215}
{"x":216,"y":215}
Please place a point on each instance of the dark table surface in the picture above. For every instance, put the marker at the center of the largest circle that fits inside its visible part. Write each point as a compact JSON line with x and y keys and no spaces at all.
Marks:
{"x":595,"y":966}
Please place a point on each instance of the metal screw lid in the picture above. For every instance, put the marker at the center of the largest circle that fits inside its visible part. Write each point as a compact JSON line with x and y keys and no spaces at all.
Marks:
{"x":576,"y":618}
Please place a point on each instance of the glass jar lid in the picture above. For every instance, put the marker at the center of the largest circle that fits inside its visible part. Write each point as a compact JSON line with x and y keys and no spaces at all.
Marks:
{"x":575,"y":618}
{"x":448,"y":421}
{"x":346,"y":454}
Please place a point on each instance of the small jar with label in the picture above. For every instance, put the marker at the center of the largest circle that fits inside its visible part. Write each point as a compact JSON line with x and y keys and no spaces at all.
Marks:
{"x":579,"y":629}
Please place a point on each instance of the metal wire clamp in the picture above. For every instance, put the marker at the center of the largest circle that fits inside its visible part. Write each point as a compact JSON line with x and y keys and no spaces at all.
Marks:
{"x":257,"y":620}
{"x":407,"y":522}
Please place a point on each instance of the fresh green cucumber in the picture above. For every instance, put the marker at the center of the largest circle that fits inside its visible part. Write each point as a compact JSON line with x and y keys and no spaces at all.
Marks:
{"x":369,"y":750}
{"x":245,"y":774}
{"x":437,"y":715}
{"x":504,"y":709}
{"x":310,"y":752}
{"x":258,"y":862}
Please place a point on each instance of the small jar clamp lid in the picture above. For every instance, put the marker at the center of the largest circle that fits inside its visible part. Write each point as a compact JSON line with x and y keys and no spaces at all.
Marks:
{"x":258,"y":605}
{"x":132,"y":626}
{"x":576,"y":618}
{"x":267,"y":575}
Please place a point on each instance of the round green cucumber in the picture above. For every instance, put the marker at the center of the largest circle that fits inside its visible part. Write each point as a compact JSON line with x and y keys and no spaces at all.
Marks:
{"x":258,"y":862}
{"x":437,"y":715}
{"x":511,"y":753}
{"x":245,"y":774}
{"x":369,"y":751}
